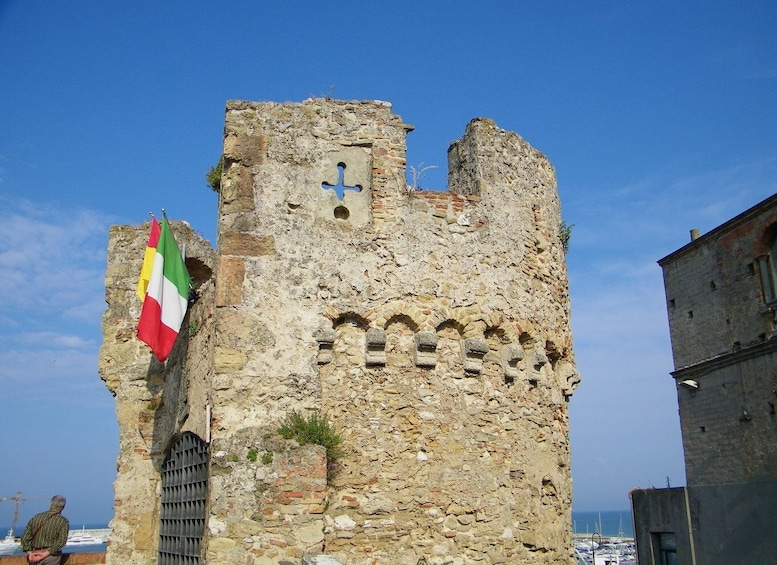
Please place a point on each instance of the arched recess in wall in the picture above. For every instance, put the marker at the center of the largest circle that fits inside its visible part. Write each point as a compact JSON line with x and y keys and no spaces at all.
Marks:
{"x":351,"y":318}
{"x":198,"y":271}
{"x":184,"y":500}
{"x":401,"y":330}
{"x":449,"y":357}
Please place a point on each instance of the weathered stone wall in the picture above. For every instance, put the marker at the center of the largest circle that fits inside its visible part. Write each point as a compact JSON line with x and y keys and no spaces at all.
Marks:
{"x":433,"y":328}
{"x":154,"y":402}
{"x":268,"y":497}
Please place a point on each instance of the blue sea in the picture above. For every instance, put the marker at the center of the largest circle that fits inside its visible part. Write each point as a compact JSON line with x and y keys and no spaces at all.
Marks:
{"x":608,"y":523}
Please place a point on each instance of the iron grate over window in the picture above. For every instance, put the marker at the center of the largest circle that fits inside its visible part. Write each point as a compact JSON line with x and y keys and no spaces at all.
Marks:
{"x":184,"y":496}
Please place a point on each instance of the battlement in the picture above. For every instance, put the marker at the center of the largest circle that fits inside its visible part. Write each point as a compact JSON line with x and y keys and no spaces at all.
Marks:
{"x":431,"y":327}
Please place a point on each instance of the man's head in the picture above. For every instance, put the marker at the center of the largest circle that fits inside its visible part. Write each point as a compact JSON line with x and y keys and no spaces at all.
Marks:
{"x":58,"y":502}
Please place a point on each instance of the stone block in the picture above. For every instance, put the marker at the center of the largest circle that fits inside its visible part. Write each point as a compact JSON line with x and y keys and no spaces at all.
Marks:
{"x":231,"y":273}
{"x":246,"y":244}
{"x":247,"y":149}
{"x":473,"y":352}
{"x":375,"y":342}
{"x":512,"y":354}
{"x":425,"y":349}
{"x":237,"y":190}
{"x":325,"y":338}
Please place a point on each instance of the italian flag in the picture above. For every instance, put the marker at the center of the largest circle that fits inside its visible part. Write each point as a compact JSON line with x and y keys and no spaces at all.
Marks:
{"x":148,"y":259}
{"x":167,"y":296}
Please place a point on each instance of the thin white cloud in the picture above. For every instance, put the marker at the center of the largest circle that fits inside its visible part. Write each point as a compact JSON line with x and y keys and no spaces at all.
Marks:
{"x":48,"y":365}
{"x":54,"y":260}
{"x":658,"y":211}
{"x":88,"y":311}
{"x":56,"y":339}
{"x":627,"y":400}
{"x":53,"y":266}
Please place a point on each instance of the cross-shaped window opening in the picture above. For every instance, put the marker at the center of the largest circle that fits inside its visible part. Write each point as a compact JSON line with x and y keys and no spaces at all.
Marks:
{"x":341,"y":187}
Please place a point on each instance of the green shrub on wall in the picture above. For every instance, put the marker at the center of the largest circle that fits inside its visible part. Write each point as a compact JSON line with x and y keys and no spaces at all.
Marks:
{"x":314,"y":428}
{"x":213,"y":176}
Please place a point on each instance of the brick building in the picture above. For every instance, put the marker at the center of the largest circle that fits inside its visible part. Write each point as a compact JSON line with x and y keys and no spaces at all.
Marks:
{"x":721,"y":292}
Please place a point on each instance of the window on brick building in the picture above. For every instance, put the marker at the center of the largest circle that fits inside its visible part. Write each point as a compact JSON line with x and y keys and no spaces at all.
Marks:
{"x":766,"y":268}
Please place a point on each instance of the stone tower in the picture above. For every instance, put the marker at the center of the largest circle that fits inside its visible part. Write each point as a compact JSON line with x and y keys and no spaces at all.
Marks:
{"x":432,"y":328}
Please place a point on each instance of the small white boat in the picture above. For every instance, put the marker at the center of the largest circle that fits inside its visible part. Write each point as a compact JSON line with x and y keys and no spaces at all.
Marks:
{"x":82,"y":537}
{"x":9,"y":544}
{"x":607,"y":558}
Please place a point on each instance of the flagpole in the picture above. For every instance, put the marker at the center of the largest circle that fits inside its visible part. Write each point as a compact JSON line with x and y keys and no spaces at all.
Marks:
{"x":183,"y":248}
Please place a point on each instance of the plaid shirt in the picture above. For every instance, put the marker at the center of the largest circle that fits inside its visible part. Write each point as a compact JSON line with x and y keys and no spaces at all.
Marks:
{"x":52,"y":536}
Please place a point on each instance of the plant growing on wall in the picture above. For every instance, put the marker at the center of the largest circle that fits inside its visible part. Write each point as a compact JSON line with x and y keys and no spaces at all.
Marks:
{"x":565,"y":233}
{"x":314,"y":428}
{"x":213,"y":177}
{"x":416,"y":174}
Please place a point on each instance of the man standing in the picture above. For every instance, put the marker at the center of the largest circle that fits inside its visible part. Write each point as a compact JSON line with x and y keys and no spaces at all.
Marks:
{"x":46,"y":535}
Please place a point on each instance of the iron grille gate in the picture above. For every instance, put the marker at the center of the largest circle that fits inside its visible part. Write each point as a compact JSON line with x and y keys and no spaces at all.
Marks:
{"x":184,"y":495}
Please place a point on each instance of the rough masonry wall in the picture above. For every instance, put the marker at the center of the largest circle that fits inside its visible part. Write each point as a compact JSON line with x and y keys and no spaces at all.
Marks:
{"x":433,"y":329}
{"x":154,"y":402}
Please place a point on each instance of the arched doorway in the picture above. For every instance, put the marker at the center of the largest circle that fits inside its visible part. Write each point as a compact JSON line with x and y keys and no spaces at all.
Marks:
{"x":184,"y":497}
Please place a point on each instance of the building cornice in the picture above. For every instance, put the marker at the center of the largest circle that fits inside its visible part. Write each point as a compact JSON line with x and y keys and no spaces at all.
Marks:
{"x":714,"y":233}
{"x":726,"y":359}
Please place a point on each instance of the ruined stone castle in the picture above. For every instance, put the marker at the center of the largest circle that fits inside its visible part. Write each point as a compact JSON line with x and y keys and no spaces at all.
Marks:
{"x":431,"y":328}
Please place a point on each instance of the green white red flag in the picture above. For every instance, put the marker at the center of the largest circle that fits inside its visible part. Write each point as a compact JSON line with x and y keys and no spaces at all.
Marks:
{"x":148,"y":259}
{"x":167,"y":296}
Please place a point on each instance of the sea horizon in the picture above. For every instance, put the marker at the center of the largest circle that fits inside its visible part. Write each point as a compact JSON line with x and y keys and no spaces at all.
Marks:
{"x":607,"y":523}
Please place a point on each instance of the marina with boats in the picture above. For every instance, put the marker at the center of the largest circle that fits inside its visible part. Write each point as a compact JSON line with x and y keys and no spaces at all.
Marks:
{"x":593,"y":549}
{"x":608,"y":538}
{"x":8,"y":544}
{"x":85,"y":539}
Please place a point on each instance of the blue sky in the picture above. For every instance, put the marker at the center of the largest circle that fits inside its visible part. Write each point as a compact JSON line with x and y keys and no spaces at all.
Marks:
{"x":659,"y":117}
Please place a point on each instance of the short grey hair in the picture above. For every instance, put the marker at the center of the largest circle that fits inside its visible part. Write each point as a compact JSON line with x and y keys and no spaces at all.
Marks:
{"x":58,"y":502}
